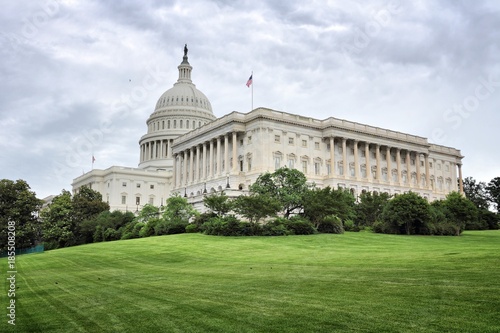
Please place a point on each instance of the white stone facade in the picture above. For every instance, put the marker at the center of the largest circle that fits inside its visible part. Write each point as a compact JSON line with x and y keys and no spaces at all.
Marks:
{"x":364,"y":158}
{"x":188,"y":150}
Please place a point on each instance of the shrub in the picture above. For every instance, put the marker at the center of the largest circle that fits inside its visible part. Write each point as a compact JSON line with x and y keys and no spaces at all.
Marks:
{"x":170,"y":227}
{"x":192,"y":228}
{"x":230,"y":226}
{"x":111,"y":234}
{"x":149,"y":229}
{"x":276,"y":227}
{"x":350,"y":226}
{"x":300,"y":226}
{"x":331,"y":224}
{"x":203,"y":218}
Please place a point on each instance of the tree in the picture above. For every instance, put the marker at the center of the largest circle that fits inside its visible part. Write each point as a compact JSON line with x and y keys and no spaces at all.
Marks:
{"x":219,"y":204}
{"x":476,"y":192}
{"x":178,"y":209}
{"x":147,"y":213}
{"x":370,"y":207}
{"x":319,"y":203}
{"x":288,"y":186}
{"x":87,"y":205}
{"x":255,"y":207}
{"x":460,"y":211}
{"x":57,"y":223}
{"x":406,"y":213}
{"x":493,"y":190}
{"x":18,"y":206}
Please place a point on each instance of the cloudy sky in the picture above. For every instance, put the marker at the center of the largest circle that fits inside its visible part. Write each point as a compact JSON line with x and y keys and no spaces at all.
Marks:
{"x":81,"y":77}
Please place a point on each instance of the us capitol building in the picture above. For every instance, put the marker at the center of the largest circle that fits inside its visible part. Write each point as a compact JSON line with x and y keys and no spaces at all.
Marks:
{"x":187,"y":150}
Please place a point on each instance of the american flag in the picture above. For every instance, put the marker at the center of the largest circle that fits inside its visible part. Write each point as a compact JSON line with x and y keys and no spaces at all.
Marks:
{"x":249,"y":82}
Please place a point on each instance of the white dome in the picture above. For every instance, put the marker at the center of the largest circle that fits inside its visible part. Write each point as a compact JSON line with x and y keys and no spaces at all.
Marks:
{"x":183,"y":96}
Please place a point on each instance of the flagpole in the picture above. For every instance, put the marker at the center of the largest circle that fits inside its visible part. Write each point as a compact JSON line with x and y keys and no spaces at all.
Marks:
{"x":252,"y":92}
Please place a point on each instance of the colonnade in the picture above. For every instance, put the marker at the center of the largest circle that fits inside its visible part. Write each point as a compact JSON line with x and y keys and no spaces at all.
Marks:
{"x":410,"y":158}
{"x":156,"y":149}
{"x":206,"y":160}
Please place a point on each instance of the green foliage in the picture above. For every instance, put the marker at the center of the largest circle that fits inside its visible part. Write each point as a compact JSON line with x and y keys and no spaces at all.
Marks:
{"x":255,"y":207}
{"x":57,"y":223}
{"x":476,"y":192}
{"x":319,"y":203}
{"x":18,"y":205}
{"x":178,"y":209}
{"x":370,"y":207}
{"x":331,"y":224}
{"x":229,"y":226}
{"x":406,"y":213}
{"x":287,"y":186}
{"x":276,"y":227}
{"x":349,"y":225}
{"x":171,"y":226}
{"x":202,"y":218}
{"x":218,"y":203}
{"x":87,"y":204}
{"x":132,"y":230}
{"x":460,"y":211}
{"x":149,"y":229}
{"x":300,"y":226}
{"x":493,"y":190}
{"x":192,"y":228}
{"x":491,"y":220}
{"x":147,"y":213}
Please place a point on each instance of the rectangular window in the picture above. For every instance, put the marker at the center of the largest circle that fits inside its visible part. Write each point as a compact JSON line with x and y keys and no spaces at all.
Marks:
{"x":249,"y":164}
{"x":304,"y":167}
{"x":277,"y":138}
{"x":137,"y":200}
{"x":291,"y":163}
{"x":412,"y":161}
{"x":241,"y":165}
{"x":422,"y":163}
{"x":352,"y":151}
{"x":124,"y":184}
{"x":241,"y":142}
{"x":393,"y":157}
{"x":304,"y":143}
{"x":249,"y":140}
{"x":316,"y":168}
{"x":329,"y":169}
{"x":151,"y":187}
{"x":363,"y":153}
{"x":151,"y":201}
{"x":138,"y":185}
{"x":384,"y":157}
{"x":403,"y":159}
{"x":316,"y":145}
{"x":290,"y":141}
{"x":374,"y":155}
{"x":277,"y":162}
{"x":430,"y":165}
{"x":124,"y":199}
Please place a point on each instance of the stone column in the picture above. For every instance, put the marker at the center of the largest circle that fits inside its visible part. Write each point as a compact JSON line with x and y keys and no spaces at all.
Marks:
{"x":198,"y":159}
{"x":235,"y":152}
{"x":191,"y":164}
{"x":367,"y":162}
{"x":169,"y":148}
{"x":356,"y":160}
{"x":332,"y":156}
{"x":427,"y":171}
{"x":204,"y":157}
{"x":388,"y":159}
{"x":226,"y":153}
{"x":377,"y":156}
{"x":184,"y":168}
{"x":398,"y":161}
{"x":417,"y":161}
{"x":218,"y":162}
{"x":408,"y":170}
{"x":344,"y":157}
{"x":211,"y":160}
{"x":460,"y":180}
{"x":176,"y":171}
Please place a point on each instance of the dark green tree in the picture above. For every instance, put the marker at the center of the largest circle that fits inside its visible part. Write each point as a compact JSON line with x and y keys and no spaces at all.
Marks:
{"x":288,"y":186}
{"x":370,"y":207}
{"x":460,"y":211}
{"x":319,"y":203}
{"x":178,"y":209}
{"x":19,"y":205}
{"x":147,"y":213}
{"x":406,"y":213}
{"x":87,"y":204}
{"x":255,"y":207}
{"x":219,"y":204}
{"x":476,"y":192}
{"x":493,"y":190}
{"x":57,"y":222}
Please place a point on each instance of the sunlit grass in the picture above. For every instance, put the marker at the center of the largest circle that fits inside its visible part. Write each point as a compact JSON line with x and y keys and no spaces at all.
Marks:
{"x":355,"y":282}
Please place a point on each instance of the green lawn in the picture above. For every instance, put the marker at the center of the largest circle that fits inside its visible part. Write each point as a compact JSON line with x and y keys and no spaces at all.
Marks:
{"x":355,"y":282}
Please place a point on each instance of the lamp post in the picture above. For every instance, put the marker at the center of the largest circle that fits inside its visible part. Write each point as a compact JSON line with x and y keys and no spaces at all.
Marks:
{"x":227,"y":182}
{"x":204,"y":188}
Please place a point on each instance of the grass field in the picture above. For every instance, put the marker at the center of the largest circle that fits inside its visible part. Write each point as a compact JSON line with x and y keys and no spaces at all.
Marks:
{"x":355,"y":282}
